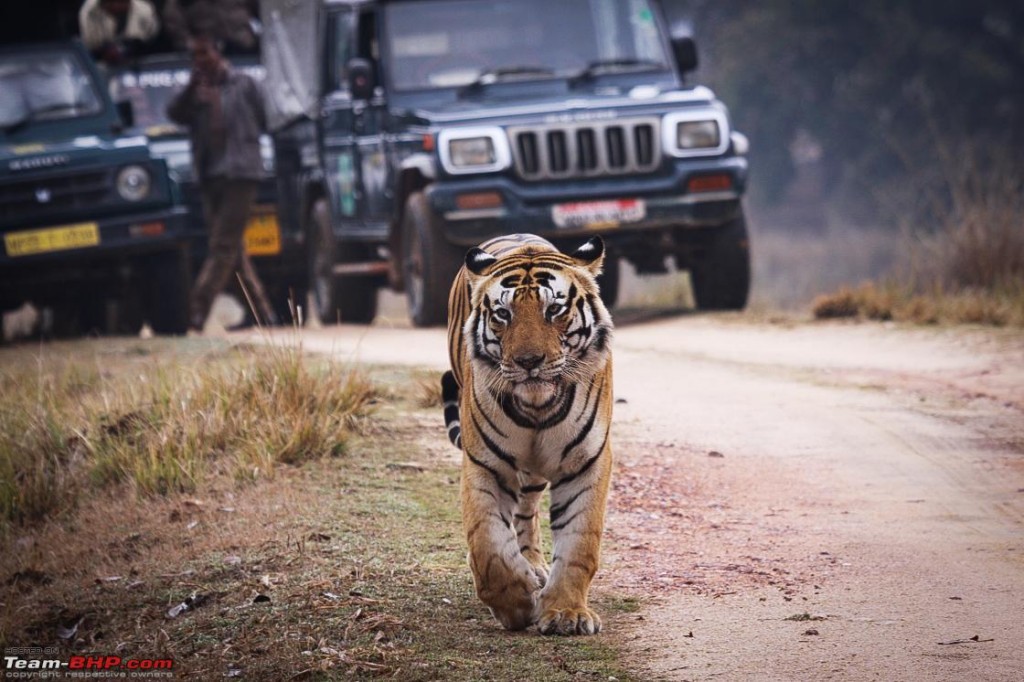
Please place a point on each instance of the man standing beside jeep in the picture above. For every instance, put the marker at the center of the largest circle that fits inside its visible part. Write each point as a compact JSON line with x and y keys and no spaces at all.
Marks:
{"x":223,"y":110}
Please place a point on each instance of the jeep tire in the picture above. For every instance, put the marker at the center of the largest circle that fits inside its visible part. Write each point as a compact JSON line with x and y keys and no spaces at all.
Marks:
{"x":721,"y":272}
{"x":429,"y":263}
{"x":353,"y":299}
{"x":166,"y":287}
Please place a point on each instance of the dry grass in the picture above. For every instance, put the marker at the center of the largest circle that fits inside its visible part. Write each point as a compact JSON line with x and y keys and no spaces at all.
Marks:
{"x":965,"y":264}
{"x":123,"y":414}
{"x":359,"y":561}
{"x":429,"y":389}
{"x":999,"y":308}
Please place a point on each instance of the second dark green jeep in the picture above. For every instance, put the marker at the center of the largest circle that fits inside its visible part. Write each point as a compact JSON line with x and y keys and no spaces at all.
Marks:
{"x":407,"y":131}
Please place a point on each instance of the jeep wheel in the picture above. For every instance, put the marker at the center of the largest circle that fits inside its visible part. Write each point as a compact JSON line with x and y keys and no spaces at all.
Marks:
{"x":350,"y":299}
{"x":166,"y":290}
{"x":721,"y":272}
{"x":429,"y":263}
{"x":357,"y":299}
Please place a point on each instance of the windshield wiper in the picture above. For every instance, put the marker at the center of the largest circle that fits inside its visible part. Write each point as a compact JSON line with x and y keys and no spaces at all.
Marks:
{"x":505,"y":73}
{"x":31,"y":116}
{"x":614,"y":65}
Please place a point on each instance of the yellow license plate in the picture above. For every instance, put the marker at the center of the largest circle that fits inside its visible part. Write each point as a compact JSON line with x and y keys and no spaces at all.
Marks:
{"x":263,"y":236}
{"x":63,"y":238}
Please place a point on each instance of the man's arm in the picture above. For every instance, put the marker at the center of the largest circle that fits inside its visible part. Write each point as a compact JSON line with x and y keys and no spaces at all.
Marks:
{"x":182,"y":108}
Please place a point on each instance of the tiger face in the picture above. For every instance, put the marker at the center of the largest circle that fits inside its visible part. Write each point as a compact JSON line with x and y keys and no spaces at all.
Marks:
{"x":538,"y":321}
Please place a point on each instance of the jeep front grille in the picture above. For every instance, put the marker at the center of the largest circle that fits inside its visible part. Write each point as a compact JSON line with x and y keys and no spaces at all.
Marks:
{"x":589,"y":149}
{"x":39,"y":196}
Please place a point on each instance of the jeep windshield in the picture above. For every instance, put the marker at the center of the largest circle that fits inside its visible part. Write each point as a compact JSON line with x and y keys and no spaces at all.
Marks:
{"x":474,"y":43}
{"x":150,"y":87}
{"x":150,"y":91}
{"x":49,"y":86}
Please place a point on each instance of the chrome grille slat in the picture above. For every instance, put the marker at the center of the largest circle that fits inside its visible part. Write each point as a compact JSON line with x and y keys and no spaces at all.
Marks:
{"x":586,"y":149}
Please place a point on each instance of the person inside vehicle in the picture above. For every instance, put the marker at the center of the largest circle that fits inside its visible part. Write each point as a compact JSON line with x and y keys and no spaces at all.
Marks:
{"x":115,"y":30}
{"x":233,"y":22}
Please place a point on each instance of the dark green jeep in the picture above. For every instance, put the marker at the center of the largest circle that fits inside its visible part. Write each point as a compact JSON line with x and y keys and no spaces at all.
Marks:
{"x":90,"y":222}
{"x":407,"y":131}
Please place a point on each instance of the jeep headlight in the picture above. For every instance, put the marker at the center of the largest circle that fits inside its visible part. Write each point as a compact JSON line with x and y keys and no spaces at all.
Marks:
{"x":697,"y":134}
{"x":134,"y":183}
{"x":474,"y":150}
{"x":702,"y":132}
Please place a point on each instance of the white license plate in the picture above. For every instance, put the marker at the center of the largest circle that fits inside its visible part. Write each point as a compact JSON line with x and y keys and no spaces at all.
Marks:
{"x":599,"y":214}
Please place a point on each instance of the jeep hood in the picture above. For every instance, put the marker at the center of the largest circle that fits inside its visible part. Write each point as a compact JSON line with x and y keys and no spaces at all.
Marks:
{"x":89,"y":150}
{"x":576,"y":106}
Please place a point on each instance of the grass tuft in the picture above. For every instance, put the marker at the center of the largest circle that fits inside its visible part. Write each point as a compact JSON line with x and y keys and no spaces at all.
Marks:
{"x":966,"y":261}
{"x":70,"y":423}
{"x":999,"y":308}
{"x":429,"y":391}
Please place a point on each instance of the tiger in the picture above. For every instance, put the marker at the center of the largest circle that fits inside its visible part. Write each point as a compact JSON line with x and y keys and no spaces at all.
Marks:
{"x":528,"y":400}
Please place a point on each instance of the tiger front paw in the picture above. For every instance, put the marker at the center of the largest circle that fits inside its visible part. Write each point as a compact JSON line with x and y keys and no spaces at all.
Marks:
{"x":541,"y":572}
{"x":569,"y":621}
{"x":539,"y":566}
{"x":513,"y":603}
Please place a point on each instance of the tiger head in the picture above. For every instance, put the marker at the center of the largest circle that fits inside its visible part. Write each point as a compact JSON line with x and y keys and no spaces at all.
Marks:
{"x":537,"y":320}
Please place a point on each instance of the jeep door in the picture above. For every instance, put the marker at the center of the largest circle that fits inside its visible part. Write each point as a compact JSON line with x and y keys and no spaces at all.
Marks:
{"x":355,"y":161}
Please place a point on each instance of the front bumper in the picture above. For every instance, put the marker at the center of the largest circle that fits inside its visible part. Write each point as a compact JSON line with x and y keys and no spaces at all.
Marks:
{"x":530,"y":207}
{"x":35,"y":249}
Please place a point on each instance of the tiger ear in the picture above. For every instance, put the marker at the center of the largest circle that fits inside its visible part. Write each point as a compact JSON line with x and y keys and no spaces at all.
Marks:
{"x":591,"y":255}
{"x":478,"y":260}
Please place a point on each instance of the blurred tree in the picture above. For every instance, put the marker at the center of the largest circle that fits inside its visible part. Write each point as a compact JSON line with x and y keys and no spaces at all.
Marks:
{"x":885,"y":87}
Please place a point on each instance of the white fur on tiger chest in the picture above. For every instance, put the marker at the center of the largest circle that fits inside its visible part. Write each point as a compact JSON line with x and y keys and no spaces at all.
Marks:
{"x":554,"y":451}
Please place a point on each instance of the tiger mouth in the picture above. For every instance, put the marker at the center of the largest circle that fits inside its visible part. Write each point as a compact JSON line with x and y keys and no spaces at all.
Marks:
{"x":535,"y":382}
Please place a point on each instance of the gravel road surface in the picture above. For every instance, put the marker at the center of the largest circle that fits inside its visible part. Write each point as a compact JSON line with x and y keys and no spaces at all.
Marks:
{"x":800,"y":501}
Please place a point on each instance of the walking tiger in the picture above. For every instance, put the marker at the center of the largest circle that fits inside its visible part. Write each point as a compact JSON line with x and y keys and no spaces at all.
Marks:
{"x":528,"y":400}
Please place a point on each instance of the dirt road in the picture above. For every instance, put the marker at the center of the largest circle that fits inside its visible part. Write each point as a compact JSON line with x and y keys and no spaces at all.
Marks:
{"x":805,"y":502}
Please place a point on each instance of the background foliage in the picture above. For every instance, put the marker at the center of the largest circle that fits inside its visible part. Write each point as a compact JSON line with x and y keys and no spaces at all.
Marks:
{"x":897,"y":94}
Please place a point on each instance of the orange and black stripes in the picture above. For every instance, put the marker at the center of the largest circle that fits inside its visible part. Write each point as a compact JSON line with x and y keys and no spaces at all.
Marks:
{"x":528,"y":400}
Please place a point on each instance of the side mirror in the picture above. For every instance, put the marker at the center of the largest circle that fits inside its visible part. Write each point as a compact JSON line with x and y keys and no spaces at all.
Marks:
{"x":126,"y":112}
{"x":685,"y":52}
{"x":360,"y":78}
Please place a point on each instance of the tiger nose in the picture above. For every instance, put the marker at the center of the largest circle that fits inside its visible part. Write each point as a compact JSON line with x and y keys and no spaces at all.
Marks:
{"x":529,"y":362}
